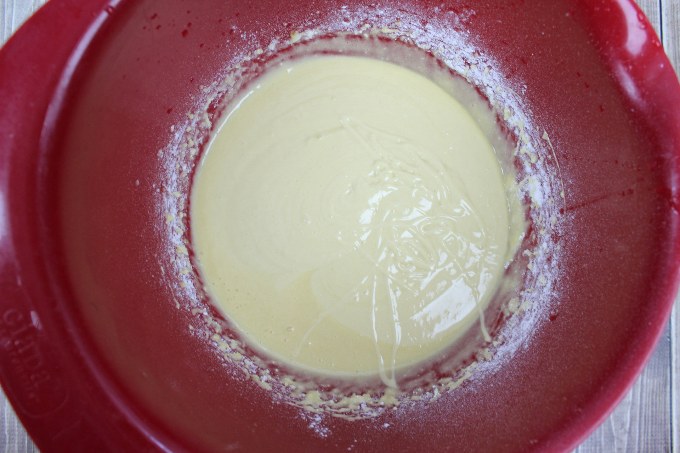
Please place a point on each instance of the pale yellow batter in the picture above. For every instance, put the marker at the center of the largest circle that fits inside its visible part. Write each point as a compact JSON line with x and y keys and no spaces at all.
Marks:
{"x":350,"y":217}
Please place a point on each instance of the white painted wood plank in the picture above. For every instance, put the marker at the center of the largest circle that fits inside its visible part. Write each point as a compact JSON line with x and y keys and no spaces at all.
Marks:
{"x":670,"y":14}
{"x":670,"y":22}
{"x":675,"y":363}
{"x":670,"y":26}
{"x":652,"y":9}
{"x":14,"y":13}
{"x":13,"y":437}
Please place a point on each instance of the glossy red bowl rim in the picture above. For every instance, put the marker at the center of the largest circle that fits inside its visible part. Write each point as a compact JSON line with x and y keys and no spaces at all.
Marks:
{"x":34,"y":66}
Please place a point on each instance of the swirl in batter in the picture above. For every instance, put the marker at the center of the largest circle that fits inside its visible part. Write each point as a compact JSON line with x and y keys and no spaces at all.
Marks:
{"x":350,"y":217}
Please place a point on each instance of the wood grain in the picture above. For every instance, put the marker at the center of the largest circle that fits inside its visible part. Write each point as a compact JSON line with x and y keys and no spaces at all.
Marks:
{"x":647,"y":419}
{"x":670,"y":26}
{"x":14,"y":13}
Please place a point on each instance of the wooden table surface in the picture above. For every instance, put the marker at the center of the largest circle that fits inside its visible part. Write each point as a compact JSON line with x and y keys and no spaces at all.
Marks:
{"x":648,"y":418}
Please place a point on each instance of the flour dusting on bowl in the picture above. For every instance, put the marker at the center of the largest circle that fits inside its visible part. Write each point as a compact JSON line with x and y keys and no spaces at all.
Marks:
{"x":528,"y":164}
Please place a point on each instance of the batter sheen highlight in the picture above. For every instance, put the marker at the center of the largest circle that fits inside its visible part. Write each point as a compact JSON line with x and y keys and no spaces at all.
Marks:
{"x":350,"y":217}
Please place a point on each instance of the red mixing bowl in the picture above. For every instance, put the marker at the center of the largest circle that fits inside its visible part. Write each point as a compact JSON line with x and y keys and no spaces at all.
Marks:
{"x":94,"y":354}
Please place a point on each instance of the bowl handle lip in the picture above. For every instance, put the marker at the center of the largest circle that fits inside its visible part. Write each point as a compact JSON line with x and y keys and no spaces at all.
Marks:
{"x":60,"y":401}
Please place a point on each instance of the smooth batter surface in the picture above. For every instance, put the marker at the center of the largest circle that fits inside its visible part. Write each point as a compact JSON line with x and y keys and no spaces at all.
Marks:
{"x":350,"y":217}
